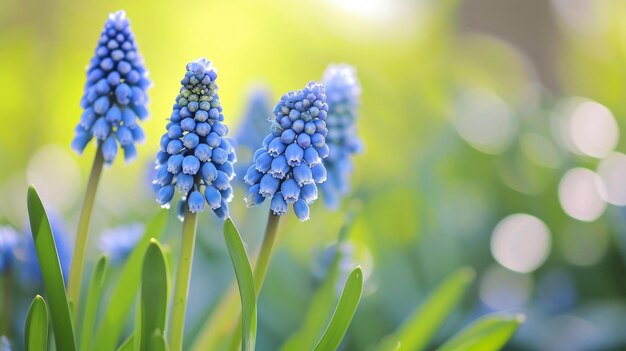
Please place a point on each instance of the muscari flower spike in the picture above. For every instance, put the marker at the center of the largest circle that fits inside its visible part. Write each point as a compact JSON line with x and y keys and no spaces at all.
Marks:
{"x":115,"y":93}
{"x":289,"y":166}
{"x":195,"y":156}
{"x":120,"y":241}
{"x":343,"y":92}
{"x":253,"y":126}
{"x":8,"y":242}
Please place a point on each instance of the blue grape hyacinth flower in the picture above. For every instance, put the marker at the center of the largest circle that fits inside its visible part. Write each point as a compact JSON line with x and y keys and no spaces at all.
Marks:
{"x":120,"y":241}
{"x":343,"y":92}
{"x":289,"y":166}
{"x":115,"y":93}
{"x":196,"y":157}
{"x":8,"y":242}
{"x":253,"y":126}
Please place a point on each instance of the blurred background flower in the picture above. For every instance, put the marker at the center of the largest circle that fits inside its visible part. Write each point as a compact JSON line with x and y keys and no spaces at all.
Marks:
{"x":120,"y":241}
{"x":493,"y":133}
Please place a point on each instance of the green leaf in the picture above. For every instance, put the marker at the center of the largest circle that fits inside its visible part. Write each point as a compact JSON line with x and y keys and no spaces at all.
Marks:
{"x":92,"y":304}
{"x":36,"y":332}
{"x":157,"y":342}
{"x":128,"y":344}
{"x":487,"y":333}
{"x":119,"y":305}
{"x":51,"y":272}
{"x":422,"y":325}
{"x":340,"y":321}
{"x":245,"y":280}
{"x":154,"y":288}
{"x":137,"y":324}
{"x":322,"y":303}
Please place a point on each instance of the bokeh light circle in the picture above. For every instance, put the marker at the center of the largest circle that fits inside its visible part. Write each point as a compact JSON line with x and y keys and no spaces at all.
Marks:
{"x":485,"y":121}
{"x":612,"y":171}
{"x":56,"y":176}
{"x":581,"y":194}
{"x":521,"y":242}
{"x":593,"y":129}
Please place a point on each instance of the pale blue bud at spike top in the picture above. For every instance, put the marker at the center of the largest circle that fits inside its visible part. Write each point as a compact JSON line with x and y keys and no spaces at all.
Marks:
{"x":115,"y":95}
{"x":196,"y":157}
{"x":119,"y":242}
{"x":343,"y":93}
{"x":253,"y":125}
{"x":286,"y":169}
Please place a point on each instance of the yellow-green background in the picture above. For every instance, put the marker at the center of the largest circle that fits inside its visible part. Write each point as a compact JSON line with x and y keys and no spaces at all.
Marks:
{"x":428,"y":201}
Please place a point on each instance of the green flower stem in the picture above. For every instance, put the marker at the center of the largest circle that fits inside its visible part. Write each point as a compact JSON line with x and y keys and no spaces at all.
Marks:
{"x":181,"y":288}
{"x":260,"y":269}
{"x":5,"y":320}
{"x":82,"y":233}
{"x":263,"y":261}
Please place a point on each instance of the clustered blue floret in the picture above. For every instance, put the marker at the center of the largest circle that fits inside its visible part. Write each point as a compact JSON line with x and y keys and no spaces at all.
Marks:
{"x":115,"y":93}
{"x":195,"y":156}
{"x":343,"y":92}
{"x":289,"y":166}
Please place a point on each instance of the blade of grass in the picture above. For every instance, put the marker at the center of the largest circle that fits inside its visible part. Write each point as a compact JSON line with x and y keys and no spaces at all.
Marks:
{"x":51,"y":272}
{"x":340,"y":321}
{"x":128,"y":344}
{"x":422,"y":325}
{"x":154,"y":289}
{"x":245,"y":280}
{"x":485,"y":334}
{"x":124,"y":292}
{"x":36,"y":332}
{"x":93,"y":299}
{"x":322,"y":302}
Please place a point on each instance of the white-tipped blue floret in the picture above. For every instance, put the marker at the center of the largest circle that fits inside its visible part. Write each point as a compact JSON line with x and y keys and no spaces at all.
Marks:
{"x":203,"y":152}
{"x":164,"y":196}
{"x":213,"y":197}
{"x":124,"y":136}
{"x":208,"y":172}
{"x":184,"y":182}
{"x":191,"y":165}
{"x":279,"y":168}
{"x":221,"y":182}
{"x":268,"y":185}
{"x":195,"y":201}
{"x":278,"y":205}
{"x":302,"y":174}
{"x":301,"y":208}
{"x":290,"y":190}
{"x":252,"y":176}
{"x":319,"y":173}
{"x":109,"y":149}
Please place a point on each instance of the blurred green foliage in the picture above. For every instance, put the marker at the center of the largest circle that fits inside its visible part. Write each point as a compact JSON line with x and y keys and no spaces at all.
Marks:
{"x":428,"y":200}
